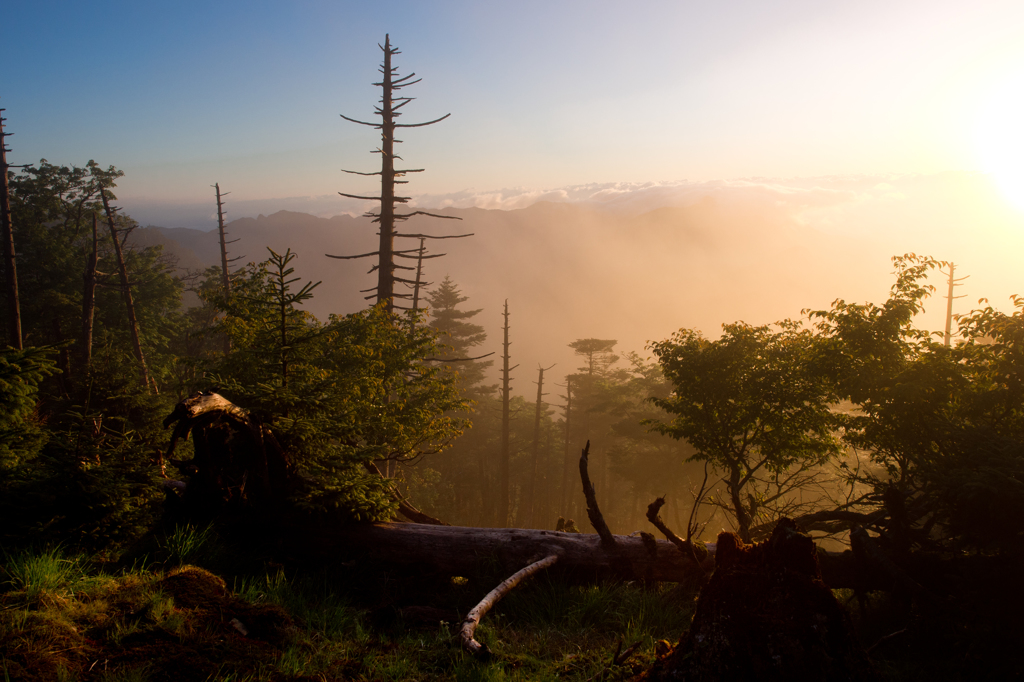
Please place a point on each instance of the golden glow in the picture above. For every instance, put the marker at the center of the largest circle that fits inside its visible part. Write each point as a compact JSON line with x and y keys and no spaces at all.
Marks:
{"x":1000,"y":137}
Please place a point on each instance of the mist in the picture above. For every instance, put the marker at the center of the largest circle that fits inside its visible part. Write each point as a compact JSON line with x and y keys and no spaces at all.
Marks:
{"x":637,"y":262}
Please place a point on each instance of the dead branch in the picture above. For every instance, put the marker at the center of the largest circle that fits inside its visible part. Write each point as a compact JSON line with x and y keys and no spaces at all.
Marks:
{"x":493,"y":597}
{"x":618,"y":658}
{"x":593,"y":511}
{"x":407,"y":510}
{"x":684,"y":546}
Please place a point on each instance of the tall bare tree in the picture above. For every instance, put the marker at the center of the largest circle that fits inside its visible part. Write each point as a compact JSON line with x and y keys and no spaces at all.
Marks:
{"x":225,"y":274}
{"x":947,"y":336}
{"x":10,"y":265}
{"x":531,"y":507}
{"x":387,"y":216}
{"x":89,"y":297}
{"x":504,"y":485}
{"x":126,"y":292}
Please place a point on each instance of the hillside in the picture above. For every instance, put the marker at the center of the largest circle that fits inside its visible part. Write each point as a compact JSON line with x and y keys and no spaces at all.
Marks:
{"x":573,"y":271}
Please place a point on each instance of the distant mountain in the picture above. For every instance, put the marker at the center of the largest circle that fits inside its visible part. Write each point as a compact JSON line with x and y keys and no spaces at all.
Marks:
{"x":571,"y":271}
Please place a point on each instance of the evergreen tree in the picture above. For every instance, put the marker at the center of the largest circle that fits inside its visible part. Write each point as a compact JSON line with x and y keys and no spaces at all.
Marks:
{"x":459,"y":336}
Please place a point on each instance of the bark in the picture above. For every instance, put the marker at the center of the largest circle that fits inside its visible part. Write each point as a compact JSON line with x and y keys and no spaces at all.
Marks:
{"x":531,"y":508}
{"x":89,"y":299}
{"x":593,"y":510}
{"x":10,"y":260}
{"x":567,"y":506}
{"x":225,"y":278}
{"x":468,"y":628}
{"x":386,"y":268}
{"x":504,"y":483}
{"x":126,"y":291}
{"x":460,"y":550}
{"x":766,"y":615}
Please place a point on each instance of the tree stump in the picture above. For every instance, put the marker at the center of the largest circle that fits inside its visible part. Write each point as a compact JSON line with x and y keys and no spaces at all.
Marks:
{"x":766,"y":615}
{"x":238,"y":463}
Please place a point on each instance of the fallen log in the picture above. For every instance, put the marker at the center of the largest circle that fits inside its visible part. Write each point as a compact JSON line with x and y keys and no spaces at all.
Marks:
{"x":461,"y":550}
{"x":239,"y":464}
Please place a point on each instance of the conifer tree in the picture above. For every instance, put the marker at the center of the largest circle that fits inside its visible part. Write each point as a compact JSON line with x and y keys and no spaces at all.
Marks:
{"x":387,"y":217}
{"x":457,"y":332}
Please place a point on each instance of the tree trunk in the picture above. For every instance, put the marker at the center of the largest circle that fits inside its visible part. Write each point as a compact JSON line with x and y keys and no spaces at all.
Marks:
{"x":126,"y":291}
{"x":504,"y":485}
{"x":531,"y":508}
{"x":89,"y":299}
{"x":566,"y":505}
{"x":10,"y":265}
{"x":742,"y":519}
{"x":462,"y":550}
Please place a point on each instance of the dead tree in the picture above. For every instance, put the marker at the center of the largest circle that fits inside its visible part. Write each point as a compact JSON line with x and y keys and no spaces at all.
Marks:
{"x":126,"y":292}
{"x":89,"y":297}
{"x":504,"y":484}
{"x":10,"y":265}
{"x":566,"y":503}
{"x":531,"y":508}
{"x":225,"y":274}
{"x":949,"y":303}
{"x":387,"y":216}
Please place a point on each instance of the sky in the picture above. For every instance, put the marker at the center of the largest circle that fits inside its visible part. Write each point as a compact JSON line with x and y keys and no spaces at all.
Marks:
{"x":542,"y":95}
{"x":895,"y":121}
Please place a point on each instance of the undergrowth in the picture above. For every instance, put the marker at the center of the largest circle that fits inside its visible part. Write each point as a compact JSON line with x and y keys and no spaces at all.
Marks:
{"x":63,"y":618}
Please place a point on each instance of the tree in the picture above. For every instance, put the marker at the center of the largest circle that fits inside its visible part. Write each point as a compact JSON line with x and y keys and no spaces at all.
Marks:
{"x":54,"y":208}
{"x":943,"y":426}
{"x":504,"y":462}
{"x":458,"y":334}
{"x":10,"y":261}
{"x":336,"y":395}
{"x":386,"y":217}
{"x":751,"y":405}
{"x":126,"y":290}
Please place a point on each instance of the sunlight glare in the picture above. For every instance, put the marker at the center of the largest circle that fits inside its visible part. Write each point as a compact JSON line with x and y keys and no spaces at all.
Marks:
{"x":999,"y":137}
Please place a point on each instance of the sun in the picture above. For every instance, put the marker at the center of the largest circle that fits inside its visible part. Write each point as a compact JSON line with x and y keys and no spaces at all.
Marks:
{"x":999,"y":137}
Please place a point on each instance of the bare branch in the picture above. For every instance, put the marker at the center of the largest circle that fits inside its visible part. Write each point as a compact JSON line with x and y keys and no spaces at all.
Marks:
{"x":364,"y":123}
{"x":430,"y":236}
{"x":362,"y":255}
{"x":420,"y":125}
{"x":356,"y":196}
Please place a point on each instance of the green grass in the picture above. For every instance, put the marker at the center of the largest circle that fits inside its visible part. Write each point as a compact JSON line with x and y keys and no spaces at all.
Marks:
{"x":188,"y":544}
{"x":59,"y":621}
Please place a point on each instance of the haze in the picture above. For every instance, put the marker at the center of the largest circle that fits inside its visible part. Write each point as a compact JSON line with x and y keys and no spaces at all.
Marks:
{"x":786,"y":149}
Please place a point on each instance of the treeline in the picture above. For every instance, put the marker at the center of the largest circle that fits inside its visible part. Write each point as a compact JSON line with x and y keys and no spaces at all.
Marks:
{"x":605,"y":400}
{"x":849,"y":418}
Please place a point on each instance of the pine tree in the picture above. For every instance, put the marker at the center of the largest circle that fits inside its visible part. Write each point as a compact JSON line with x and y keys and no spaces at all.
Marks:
{"x":457,"y":333}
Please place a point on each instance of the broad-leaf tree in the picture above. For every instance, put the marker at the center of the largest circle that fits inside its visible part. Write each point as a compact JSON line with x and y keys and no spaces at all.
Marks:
{"x":753,"y":405}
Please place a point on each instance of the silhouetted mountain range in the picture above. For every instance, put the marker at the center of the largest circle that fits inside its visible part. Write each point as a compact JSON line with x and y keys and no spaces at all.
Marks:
{"x":571,"y":271}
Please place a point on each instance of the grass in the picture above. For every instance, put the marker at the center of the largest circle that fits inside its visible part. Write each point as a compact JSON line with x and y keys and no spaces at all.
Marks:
{"x":60,"y":621}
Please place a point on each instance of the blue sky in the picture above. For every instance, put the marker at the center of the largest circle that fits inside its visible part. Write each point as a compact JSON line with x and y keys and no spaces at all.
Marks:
{"x":542,"y":94}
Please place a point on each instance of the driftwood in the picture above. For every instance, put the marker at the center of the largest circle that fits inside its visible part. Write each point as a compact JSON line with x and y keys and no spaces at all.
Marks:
{"x":472,"y":619}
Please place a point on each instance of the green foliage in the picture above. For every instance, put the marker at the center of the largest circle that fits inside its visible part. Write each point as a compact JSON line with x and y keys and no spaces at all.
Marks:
{"x":338,"y":394}
{"x":185,"y":544}
{"x":752,"y":405}
{"x":21,"y":372}
{"x":34,"y":571}
{"x":944,"y":426}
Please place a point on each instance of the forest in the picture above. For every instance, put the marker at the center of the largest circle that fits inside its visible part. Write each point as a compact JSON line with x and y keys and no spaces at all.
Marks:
{"x":201,"y":479}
